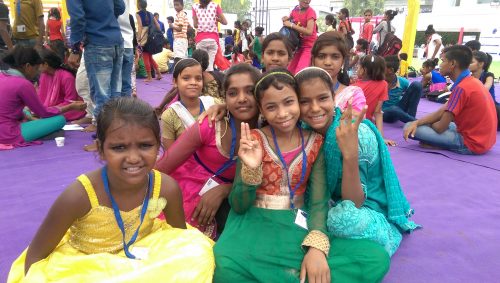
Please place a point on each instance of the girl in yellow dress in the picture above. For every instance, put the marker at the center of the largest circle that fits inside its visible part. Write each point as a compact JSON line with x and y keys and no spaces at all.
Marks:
{"x":104,"y":226}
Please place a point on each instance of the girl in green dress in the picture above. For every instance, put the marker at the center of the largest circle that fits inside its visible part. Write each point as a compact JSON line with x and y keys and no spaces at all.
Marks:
{"x":276,"y":230}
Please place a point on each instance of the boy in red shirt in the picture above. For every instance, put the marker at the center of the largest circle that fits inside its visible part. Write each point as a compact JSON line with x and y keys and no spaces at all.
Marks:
{"x":467,"y":123}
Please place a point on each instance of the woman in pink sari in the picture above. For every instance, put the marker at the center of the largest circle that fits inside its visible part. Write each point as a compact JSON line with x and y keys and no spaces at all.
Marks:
{"x":203,"y":159}
{"x":57,"y":84}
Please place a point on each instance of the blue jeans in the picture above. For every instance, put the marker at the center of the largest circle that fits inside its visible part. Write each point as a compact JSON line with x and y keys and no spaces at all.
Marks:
{"x":406,"y":109}
{"x":128,"y":63}
{"x":450,"y":139}
{"x":104,"y":70}
{"x":26,"y":42}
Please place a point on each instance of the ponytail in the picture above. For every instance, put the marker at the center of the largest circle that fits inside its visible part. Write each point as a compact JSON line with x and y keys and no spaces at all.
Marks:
{"x":431,"y":63}
{"x":390,"y":14}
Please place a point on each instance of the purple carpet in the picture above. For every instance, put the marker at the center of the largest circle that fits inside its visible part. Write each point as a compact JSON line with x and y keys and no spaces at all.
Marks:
{"x":455,"y":198}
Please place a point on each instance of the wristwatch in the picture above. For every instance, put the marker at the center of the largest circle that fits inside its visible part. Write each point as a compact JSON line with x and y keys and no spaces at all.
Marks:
{"x":76,"y":48}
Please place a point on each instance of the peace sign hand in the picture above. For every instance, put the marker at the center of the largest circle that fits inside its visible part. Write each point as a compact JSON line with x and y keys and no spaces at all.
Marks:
{"x":347,"y":132}
{"x":250,"y":151}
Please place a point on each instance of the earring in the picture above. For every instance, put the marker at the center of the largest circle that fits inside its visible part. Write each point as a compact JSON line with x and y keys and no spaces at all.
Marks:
{"x":228,"y":114}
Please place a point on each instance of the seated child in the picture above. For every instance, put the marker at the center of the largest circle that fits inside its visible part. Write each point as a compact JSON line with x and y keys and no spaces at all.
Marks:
{"x":467,"y":123}
{"x":162,"y":59}
{"x":403,"y":96}
{"x":371,"y":74}
{"x":403,"y":68}
{"x":104,"y":226}
{"x":432,"y":80}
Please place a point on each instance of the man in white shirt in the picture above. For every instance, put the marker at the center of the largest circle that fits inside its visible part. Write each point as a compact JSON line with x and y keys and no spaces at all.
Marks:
{"x":434,"y":45}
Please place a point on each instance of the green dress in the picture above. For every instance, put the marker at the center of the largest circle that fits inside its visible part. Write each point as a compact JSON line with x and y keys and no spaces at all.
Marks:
{"x":262,"y":243}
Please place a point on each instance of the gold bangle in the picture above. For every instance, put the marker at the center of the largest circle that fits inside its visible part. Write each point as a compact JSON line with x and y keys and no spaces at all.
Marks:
{"x":318,"y":240}
{"x":251,"y":176}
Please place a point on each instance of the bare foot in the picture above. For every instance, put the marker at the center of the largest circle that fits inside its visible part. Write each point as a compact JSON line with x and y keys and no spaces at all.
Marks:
{"x":148,"y":80}
{"x":90,"y":128}
{"x":90,"y":147}
{"x":85,"y":120}
{"x":158,"y":76}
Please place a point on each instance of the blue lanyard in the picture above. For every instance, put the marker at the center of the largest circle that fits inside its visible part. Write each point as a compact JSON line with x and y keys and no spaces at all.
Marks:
{"x":229,"y":162}
{"x":202,"y":108}
{"x":336,"y":87}
{"x":116,"y":210}
{"x":282,"y":159}
{"x":462,"y":76}
{"x":18,"y":8}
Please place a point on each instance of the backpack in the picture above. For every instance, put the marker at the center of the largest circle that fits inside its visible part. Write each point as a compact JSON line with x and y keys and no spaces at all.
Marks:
{"x":292,"y":36}
{"x":155,"y":39}
{"x":391,"y":45}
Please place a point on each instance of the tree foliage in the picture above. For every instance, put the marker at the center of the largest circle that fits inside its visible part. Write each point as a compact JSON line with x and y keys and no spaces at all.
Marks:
{"x":358,"y":7}
{"x":239,"y":7}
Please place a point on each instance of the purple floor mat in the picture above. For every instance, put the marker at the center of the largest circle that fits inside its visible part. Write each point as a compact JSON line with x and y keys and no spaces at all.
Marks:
{"x":455,"y":201}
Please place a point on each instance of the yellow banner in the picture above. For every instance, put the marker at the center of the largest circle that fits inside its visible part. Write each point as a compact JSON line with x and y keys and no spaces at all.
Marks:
{"x":410,"y":31}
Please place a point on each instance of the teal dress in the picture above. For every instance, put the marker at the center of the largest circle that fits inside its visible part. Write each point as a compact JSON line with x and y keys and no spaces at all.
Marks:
{"x":385,"y":212}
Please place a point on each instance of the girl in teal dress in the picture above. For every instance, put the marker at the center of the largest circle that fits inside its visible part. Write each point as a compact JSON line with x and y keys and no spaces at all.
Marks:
{"x":368,"y":202}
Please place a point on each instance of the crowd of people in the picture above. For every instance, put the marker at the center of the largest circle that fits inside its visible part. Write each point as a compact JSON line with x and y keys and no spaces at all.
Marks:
{"x":274,"y":165}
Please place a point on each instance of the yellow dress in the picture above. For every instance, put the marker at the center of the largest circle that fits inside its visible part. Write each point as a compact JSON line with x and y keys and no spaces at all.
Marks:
{"x":92,"y":249}
{"x":403,"y":68}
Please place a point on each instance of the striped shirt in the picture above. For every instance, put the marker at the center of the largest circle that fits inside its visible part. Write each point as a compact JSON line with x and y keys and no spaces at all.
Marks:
{"x":181,"y":19}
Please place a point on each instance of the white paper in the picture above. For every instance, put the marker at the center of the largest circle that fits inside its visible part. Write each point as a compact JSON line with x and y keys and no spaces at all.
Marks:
{"x":140,"y":252}
{"x":210,"y":184}
{"x":72,"y":127}
{"x":301,"y":219}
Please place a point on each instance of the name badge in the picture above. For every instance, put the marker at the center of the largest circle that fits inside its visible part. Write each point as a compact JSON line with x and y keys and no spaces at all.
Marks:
{"x":210,"y":184}
{"x":140,"y":252}
{"x":21,"y":28}
{"x":301,"y":219}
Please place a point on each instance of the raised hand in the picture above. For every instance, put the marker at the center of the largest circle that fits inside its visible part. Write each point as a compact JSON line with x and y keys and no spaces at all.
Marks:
{"x":74,"y":61}
{"x":250,"y":151}
{"x":347,"y":132}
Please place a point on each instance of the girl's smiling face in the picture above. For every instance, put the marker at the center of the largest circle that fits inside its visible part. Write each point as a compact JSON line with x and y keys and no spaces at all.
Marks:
{"x":316,"y":104}
{"x":280,"y":107}
{"x":240,"y":100}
